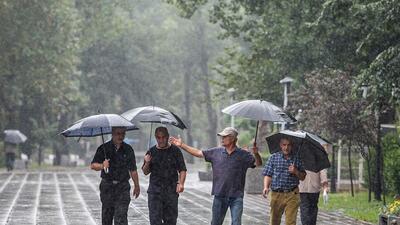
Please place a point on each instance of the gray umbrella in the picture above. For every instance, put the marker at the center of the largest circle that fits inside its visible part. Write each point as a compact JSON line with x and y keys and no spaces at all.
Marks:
{"x":153,"y":114}
{"x":97,"y":125}
{"x":14,"y":136}
{"x":258,"y":110}
{"x":308,"y":146}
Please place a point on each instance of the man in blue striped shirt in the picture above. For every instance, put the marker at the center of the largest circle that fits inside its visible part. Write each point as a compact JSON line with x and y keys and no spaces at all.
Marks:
{"x":281,"y":175}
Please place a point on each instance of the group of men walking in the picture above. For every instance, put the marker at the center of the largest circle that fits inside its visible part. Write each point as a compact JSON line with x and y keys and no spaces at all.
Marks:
{"x":166,"y":166}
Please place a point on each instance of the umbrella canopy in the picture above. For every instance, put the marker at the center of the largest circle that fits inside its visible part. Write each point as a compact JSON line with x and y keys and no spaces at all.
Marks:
{"x":14,"y":136}
{"x":97,"y":125}
{"x":308,"y":146}
{"x":258,"y":110}
{"x":154,"y":114}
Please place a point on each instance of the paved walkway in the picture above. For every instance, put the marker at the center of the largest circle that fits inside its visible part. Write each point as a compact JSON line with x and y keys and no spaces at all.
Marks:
{"x":72,"y":197}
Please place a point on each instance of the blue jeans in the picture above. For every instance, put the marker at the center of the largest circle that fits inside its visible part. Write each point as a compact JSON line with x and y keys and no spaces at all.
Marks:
{"x":220,"y":206}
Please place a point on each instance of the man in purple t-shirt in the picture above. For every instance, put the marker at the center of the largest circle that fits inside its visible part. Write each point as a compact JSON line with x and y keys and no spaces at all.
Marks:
{"x":229,"y":165}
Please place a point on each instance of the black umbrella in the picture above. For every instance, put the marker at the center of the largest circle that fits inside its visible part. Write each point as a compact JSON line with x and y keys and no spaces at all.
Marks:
{"x":153,"y":114}
{"x":308,"y":146}
{"x":258,"y":110}
{"x":97,"y":125}
{"x":14,"y":136}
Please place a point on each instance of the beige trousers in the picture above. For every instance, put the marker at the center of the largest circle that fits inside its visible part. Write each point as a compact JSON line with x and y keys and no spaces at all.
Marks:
{"x":287,"y":203}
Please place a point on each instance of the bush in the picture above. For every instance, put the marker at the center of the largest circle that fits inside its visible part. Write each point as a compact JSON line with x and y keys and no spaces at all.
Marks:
{"x":391,"y":168}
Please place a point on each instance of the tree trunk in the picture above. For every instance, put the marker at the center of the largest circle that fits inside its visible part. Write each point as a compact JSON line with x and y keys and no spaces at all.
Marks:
{"x":187,"y":102}
{"x":369,"y":174}
{"x":212,"y":118}
{"x":40,"y":154}
{"x":333,"y":172}
{"x":263,"y":131}
{"x":211,"y":115}
{"x":60,"y":147}
{"x":379,"y":156}
{"x":350,"y":169}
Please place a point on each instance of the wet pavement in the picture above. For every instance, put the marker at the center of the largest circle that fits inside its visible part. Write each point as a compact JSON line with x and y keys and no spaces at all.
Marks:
{"x":72,"y":197}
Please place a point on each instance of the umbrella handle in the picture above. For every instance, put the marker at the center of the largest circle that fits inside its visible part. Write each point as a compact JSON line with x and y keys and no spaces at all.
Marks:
{"x":104,"y":149}
{"x":106,"y":170}
{"x":255,"y":136}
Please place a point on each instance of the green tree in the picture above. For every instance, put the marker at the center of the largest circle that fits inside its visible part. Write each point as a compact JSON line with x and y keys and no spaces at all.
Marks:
{"x":278,"y":38}
{"x":39,"y":48}
{"x":391,"y":146}
{"x":329,"y":108}
{"x":273,"y":39}
{"x":369,"y":31}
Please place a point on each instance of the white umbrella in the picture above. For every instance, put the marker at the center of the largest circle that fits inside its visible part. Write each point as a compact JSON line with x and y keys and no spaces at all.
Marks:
{"x":258,"y":110}
{"x":97,"y":125}
{"x":14,"y":136}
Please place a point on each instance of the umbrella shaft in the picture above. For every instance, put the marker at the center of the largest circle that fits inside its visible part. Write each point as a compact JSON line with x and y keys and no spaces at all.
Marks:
{"x":255,"y":137}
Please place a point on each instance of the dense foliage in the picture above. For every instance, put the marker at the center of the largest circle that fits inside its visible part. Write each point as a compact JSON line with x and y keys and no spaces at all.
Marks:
{"x":277,"y":39}
{"x":64,"y":60}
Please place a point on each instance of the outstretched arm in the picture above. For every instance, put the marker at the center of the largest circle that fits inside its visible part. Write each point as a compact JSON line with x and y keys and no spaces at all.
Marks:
{"x":191,"y":150}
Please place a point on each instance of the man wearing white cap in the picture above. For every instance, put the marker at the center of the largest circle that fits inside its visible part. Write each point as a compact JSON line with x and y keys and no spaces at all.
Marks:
{"x":229,"y":166}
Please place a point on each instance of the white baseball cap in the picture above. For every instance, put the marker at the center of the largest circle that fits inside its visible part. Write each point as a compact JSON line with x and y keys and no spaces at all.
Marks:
{"x":228,"y":131}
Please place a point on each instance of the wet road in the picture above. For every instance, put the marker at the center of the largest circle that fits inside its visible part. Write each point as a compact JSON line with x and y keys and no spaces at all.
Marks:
{"x":72,"y":197}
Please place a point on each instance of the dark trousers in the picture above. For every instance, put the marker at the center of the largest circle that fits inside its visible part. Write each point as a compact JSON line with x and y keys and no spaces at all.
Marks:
{"x":115,"y":199}
{"x":309,"y":208}
{"x":163,"y":208}
{"x":10,"y":158}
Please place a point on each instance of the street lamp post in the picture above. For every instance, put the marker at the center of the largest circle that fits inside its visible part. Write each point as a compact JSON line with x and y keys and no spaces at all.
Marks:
{"x":231,"y":92}
{"x":286,"y":85}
